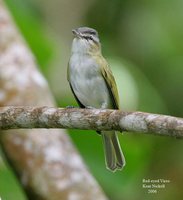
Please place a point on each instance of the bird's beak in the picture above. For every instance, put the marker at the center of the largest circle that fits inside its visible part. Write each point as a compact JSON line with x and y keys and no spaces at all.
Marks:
{"x":76,"y":33}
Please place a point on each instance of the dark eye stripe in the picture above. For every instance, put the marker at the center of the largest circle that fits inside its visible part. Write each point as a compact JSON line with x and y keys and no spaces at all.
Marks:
{"x":88,"y":37}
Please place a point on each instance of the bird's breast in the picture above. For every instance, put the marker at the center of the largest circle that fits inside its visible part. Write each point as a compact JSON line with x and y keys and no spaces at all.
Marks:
{"x":87,"y":82}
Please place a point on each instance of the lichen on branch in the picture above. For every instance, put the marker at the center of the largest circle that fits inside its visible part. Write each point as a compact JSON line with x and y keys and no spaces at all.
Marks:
{"x":93,"y":119}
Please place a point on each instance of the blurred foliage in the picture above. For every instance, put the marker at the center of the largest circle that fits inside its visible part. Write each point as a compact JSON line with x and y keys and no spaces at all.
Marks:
{"x":149,"y":35}
{"x":9,"y":187}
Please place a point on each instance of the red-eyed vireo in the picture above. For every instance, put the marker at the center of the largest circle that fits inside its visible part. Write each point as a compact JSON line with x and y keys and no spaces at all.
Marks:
{"x":93,"y":86}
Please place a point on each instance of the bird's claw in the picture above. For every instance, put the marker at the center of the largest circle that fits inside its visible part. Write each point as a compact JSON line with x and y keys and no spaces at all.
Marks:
{"x":70,"y":106}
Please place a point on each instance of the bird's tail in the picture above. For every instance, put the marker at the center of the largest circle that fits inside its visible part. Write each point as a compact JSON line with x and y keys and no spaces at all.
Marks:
{"x":113,"y":154}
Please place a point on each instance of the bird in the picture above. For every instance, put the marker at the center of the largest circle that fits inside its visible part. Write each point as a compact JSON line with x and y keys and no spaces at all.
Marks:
{"x":93,"y":86}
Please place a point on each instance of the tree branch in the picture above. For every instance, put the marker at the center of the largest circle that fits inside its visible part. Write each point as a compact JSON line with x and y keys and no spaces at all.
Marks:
{"x":94,"y":119}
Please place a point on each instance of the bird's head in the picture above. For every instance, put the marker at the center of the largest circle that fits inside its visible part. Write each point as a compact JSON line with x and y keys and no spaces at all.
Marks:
{"x":86,"y":41}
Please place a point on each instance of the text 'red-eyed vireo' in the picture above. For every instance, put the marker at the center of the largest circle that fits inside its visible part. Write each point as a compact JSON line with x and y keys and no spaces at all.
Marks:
{"x":93,"y":86}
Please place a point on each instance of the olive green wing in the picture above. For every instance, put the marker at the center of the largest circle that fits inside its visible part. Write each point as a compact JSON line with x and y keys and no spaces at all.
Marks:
{"x":111,"y":83}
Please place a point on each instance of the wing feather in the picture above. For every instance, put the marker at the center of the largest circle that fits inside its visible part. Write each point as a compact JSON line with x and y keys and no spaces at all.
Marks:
{"x":110,"y":81}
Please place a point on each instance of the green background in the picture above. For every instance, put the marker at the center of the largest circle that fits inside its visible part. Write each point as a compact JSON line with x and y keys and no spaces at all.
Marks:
{"x":142,"y":40}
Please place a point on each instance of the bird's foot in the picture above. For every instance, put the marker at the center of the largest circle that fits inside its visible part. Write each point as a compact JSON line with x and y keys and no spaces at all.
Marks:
{"x":70,"y":106}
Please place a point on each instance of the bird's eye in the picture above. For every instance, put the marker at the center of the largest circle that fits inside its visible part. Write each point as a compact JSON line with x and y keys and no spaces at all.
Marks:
{"x":88,"y":37}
